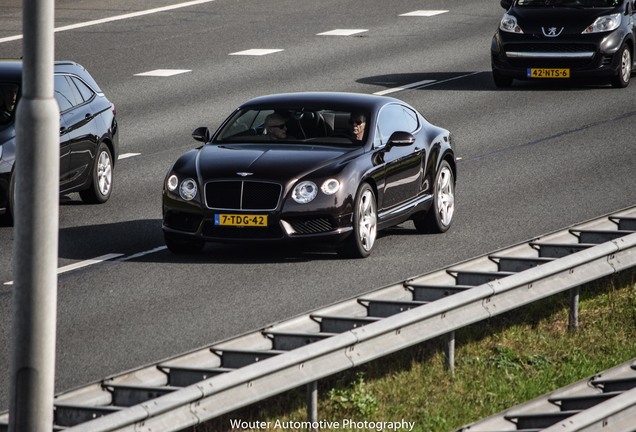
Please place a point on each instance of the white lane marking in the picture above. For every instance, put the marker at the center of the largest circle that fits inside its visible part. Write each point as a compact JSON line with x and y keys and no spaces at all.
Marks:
{"x":342,"y":32}
{"x":425,"y":13}
{"x":404,"y":87}
{"x":117,"y":18}
{"x":127,"y":155}
{"x":422,"y":84}
{"x":256,"y":52}
{"x":82,"y":264}
{"x":164,"y":72}
{"x":140,"y":254}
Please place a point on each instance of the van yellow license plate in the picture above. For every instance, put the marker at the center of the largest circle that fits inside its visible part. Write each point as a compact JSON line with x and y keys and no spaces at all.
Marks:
{"x":238,"y":220}
{"x":548,"y":73}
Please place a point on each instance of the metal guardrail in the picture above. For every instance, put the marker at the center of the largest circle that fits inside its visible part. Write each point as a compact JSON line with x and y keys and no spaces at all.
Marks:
{"x":605,"y":401}
{"x":201,"y":385}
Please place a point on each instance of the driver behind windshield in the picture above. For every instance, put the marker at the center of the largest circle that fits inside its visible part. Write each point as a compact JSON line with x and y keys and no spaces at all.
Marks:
{"x":276,"y":126}
{"x":358,"y":122}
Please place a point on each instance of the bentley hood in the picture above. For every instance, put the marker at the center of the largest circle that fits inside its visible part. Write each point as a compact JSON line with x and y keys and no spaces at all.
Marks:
{"x":278,"y":162}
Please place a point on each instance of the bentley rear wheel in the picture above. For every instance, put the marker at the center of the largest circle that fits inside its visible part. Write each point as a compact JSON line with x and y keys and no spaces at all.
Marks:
{"x":440,"y":216}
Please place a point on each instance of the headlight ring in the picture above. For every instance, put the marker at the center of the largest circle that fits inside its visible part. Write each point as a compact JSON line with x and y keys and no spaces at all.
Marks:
{"x":304,"y":192}
{"x":172,"y":183}
{"x":188,"y":189}
{"x":330,"y":186}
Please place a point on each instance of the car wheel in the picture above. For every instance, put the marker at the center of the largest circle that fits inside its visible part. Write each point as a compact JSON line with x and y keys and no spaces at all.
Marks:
{"x":501,"y":81}
{"x":183,"y":245}
{"x":365,"y":225}
{"x":440,"y":217}
{"x":621,"y":80}
{"x":102,"y":178}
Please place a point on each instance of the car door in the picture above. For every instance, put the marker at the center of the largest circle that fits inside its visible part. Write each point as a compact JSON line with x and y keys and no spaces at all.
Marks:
{"x":78,"y":132}
{"x":402,"y":165}
{"x":65,"y":100}
{"x":82,"y":120}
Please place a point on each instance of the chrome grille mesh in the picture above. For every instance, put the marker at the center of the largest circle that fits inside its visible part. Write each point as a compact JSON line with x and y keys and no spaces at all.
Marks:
{"x":242,"y":195}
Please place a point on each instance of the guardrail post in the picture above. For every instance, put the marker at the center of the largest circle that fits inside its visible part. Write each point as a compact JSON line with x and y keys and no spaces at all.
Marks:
{"x":450,"y":352}
{"x":312,"y":404}
{"x":574,"y":309}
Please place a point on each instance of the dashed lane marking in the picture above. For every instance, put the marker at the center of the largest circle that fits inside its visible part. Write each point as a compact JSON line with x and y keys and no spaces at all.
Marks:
{"x":404,"y":87}
{"x":342,"y":32}
{"x":127,"y":155}
{"x":83,"y":264}
{"x":257,"y":52}
{"x":424,"y":13}
{"x":164,"y":72}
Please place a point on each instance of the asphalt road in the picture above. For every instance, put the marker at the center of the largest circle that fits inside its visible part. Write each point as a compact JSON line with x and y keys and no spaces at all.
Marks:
{"x":535,"y":158}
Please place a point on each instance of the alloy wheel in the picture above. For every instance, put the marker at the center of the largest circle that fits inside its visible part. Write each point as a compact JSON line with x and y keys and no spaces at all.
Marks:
{"x":104,"y":173}
{"x":445,"y":196}
{"x":367,"y":220}
{"x":626,"y":65}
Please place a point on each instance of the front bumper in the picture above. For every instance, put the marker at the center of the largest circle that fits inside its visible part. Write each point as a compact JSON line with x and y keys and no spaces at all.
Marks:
{"x":586,"y":56}
{"x":188,"y":219}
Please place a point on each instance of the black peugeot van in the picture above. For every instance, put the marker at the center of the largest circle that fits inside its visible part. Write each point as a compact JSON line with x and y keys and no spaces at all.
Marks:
{"x":565,"y":39}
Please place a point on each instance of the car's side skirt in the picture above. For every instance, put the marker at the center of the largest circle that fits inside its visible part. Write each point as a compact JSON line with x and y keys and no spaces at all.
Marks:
{"x":405,"y":209}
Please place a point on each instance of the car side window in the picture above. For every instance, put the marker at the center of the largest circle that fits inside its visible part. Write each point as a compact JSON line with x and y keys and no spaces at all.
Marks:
{"x":85,"y":91}
{"x":411,"y":120}
{"x":394,"y":118}
{"x":63,"y":93}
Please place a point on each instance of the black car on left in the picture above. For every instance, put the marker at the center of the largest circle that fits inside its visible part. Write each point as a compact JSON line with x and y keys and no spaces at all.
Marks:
{"x":89,"y":136}
{"x":322,"y":167}
{"x":592,"y":40}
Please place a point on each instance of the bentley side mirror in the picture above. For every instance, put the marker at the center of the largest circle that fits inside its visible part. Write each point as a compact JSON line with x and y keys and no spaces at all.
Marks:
{"x":201,"y":134}
{"x":506,"y":4}
{"x":400,"y":139}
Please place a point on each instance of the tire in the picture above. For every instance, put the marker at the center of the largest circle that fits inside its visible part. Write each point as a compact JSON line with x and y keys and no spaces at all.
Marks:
{"x":440,"y":216}
{"x":622,"y":77}
{"x":365,"y":225}
{"x":180,"y":245}
{"x":101,"y":185}
{"x":501,"y":81}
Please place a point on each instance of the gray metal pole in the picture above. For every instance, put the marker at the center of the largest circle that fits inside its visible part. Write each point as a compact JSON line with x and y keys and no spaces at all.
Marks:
{"x":36,"y":228}
{"x":573,"y":324}
{"x":312,"y":403}
{"x":450,"y":352}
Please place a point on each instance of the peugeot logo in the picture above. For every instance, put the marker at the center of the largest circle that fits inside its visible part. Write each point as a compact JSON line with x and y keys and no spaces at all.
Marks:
{"x":552,"y":31}
{"x":244,"y":174}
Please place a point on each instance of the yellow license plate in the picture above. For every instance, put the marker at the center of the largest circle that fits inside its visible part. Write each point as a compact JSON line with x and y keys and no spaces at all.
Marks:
{"x":548,"y":73}
{"x":239,"y":220}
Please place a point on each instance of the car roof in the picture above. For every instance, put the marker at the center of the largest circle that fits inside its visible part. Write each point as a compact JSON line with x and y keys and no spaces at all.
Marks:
{"x":11,"y":70}
{"x":343,"y":99}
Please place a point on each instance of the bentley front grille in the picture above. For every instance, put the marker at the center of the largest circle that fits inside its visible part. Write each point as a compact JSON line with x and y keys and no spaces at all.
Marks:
{"x":242,"y":195}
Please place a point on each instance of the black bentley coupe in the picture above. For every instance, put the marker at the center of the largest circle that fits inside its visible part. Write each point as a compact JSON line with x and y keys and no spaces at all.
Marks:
{"x":565,"y":39}
{"x":89,"y":137}
{"x":316,"y":166}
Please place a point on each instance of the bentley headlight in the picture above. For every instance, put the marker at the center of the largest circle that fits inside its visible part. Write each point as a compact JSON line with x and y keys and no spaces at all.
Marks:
{"x":509,"y":24}
{"x":604,"y":24}
{"x":330,"y":187}
{"x":188,"y":189}
{"x":172,"y":183}
{"x":305,"y":192}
